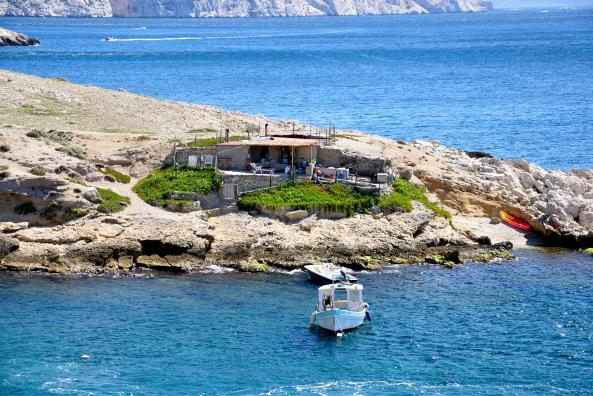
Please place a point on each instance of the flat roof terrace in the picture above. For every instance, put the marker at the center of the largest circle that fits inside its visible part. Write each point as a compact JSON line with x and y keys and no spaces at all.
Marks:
{"x":273,"y":142}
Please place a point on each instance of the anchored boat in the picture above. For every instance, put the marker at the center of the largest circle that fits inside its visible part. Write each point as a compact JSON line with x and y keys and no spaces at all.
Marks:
{"x":340,"y":307}
{"x":327,"y":273}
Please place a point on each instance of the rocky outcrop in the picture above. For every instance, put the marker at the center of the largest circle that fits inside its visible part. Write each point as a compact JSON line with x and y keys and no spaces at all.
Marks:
{"x":107,"y":245}
{"x":10,"y":38}
{"x":558,"y":204}
{"x":361,"y":242}
{"x":225,"y":8}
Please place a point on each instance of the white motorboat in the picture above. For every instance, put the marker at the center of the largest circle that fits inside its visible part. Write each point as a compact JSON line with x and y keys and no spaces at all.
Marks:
{"x":328,"y":273}
{"x":340,"y":307}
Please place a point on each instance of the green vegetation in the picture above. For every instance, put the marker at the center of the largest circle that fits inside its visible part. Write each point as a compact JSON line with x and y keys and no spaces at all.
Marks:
{"x":4,"y":148}
{"x":35,"y":134}
{"x":50,"y":211}
{"x":25,"y":208}
{"x":211,"y":141}
{"x":309,"y":196}
{"x":48,"y":106}
{"x":203,"y":130}
{"x":156,"y":187}
{"x":589,"y":251}
{"x":125,"y":131}
{"x":73,"y":151}
{"x":37,"y":171}
{"x":403,"y":195}
{"x":77,"y":180}
{"x":111,"y":202}
{"x":120,"y":177}
{"x":77,"y":212}
{"x":53,"y":136}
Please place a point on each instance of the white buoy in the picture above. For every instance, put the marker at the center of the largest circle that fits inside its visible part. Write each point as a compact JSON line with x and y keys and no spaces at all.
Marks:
{"x":85,"y":357}
{"x":339,"y":334}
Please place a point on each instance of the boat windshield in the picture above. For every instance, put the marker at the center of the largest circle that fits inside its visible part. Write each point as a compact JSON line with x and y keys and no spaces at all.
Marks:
{"x":341,"y":295}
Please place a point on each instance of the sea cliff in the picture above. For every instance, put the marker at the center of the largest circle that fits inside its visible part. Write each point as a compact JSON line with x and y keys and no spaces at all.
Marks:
{"x":66,"y":162}
{"x":223,"y":8}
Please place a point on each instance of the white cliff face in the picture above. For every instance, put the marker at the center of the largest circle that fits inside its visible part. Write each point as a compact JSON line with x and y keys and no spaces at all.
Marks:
{"x":233,"y":8}
{"x":56,"y":8}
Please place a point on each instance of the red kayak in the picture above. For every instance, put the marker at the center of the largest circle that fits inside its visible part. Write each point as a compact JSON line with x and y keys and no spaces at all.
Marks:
{"x":515,"y":221}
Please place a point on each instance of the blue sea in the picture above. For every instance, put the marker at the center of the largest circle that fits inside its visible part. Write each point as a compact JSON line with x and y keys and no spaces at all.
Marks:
{"x":515,"y":83}
{"x":522,"y":327}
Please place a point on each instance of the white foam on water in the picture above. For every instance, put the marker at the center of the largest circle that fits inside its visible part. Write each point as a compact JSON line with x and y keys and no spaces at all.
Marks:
{"x":215,"y":269}
{"x":239,"y":37}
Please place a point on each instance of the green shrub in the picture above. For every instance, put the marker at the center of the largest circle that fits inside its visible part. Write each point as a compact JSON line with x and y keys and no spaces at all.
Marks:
{"x":25,"y":208}
{"x":120,"y":177}
{"x":77,"y":212}
{"x":50,"y":211}
{"x":77,"y":180}
{"x":154,"y":188}
{"x":73,"y":151}
{"x":35,"y":134}
{"x":308,"y":196}
{"x":403,"y":195}
{"x":110,"y":201}
{"x":212,"y":141}
{"x":37,"y":171}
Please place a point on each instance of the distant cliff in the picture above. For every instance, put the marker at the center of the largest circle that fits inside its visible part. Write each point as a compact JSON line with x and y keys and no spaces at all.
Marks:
{"x":233,"y":8}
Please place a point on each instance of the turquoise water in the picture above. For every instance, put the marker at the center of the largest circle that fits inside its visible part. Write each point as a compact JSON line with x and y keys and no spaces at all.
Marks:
{"x":512,"y":83}
{"x":522,"y":327}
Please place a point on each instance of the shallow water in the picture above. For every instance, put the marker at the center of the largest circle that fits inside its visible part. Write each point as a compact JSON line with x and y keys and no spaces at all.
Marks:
{"x":513,"y":327}
{"x":512,"y":83}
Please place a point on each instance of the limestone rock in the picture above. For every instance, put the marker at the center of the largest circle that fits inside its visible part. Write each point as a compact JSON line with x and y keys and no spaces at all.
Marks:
{"x":296,"y":215}
{"x":8,"y":38}
{"x":110,"y":230}
{"x":7,"y":245}
{"x":92,"y":195}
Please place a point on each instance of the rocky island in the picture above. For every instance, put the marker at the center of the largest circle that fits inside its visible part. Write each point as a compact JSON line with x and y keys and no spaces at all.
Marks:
{"x":10,"y":38}
{"x":223,"y":8}
{"x":79,"y":165}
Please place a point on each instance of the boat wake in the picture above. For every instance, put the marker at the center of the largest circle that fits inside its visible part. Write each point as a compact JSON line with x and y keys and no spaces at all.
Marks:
{"x":241,"y":37}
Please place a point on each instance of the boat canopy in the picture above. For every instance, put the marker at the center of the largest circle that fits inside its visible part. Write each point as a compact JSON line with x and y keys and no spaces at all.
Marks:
{"x":347,"y":296}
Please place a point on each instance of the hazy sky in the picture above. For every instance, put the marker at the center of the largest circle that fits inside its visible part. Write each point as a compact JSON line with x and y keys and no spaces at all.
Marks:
{"x":539,"y":3}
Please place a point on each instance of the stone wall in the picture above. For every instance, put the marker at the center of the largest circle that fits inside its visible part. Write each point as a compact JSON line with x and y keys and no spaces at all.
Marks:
{"x":249,"y":181}
{"x":364,"y":166}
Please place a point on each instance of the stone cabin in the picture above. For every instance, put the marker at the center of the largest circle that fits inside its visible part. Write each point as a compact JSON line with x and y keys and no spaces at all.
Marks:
{"x":269,"y":152}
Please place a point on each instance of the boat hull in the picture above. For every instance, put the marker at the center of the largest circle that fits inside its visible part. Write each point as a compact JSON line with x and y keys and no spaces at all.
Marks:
{"x":338,"y":320}
{"x":515,"y":222}
{"x":323,"y":279}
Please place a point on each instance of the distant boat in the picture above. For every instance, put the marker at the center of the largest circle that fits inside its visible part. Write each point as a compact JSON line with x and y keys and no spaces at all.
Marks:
{"x":108,"y":38}
{"x":515,"y":221}
{"x":327,"y":273}
{"x":340,"y":307}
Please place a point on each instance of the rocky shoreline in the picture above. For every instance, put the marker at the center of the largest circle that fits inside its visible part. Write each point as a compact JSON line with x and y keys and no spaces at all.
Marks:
{"x":50,"y":220}
{"x":10,"y":38}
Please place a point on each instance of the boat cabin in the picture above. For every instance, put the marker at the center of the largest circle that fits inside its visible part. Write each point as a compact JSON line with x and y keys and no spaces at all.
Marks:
{"x":341,"y":296}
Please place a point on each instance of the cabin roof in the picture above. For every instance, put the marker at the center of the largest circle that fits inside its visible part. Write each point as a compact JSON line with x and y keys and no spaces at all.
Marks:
{"x":351,"y":286}
{"x":273,"y":142}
